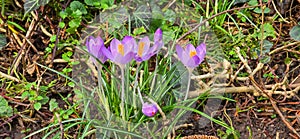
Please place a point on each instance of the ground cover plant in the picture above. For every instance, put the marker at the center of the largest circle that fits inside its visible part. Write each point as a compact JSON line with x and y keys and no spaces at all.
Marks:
{"x":149,"y":69}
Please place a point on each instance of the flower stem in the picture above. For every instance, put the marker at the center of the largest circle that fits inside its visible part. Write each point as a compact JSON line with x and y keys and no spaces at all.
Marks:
{"x":122,"y":92}
{"x":140,"y":95}
{"x":189,"y":83}
{"x":154,"y":73}
{"x":101,"y":94}
{"x":135,"y":85}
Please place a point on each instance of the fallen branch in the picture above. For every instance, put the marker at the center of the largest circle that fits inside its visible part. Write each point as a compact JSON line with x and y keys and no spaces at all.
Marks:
{"x":244,"y":89}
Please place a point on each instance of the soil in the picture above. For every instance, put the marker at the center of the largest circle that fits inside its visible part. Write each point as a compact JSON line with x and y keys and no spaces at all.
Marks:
{"x":249,"y":117}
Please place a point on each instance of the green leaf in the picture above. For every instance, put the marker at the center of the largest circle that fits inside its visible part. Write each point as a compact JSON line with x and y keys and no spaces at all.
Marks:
{"x":31,"y":5}
{"x":76,"y":5}
{"x":138,"y":31}
{"x":39,"y":98}
{"x":253,"y":2}
{"x":16,"y":25}
{"x":269,"y":31}
{"x":295,"y":33}
{"x":53,"y":38}
{"x":63,"y":14}
{"x":53,"y":105}
{"x":77,"y":14}
{"x":92,"y":2}
{"x":170,"y":16}
{"x":267,"y":45}
{"x":61,"y":24}
{"x":44,"y":100}
{"x":65,"y":57}
{"x":37,"y":106}
{"x":71,"y":30}
{"x":142,"y":16}
{"x":75,"y":62}
{"x":265,"y":59}
{"x":259,"y":11}
{"x":71,"y":84}
{"x":239,"y":1}
{"x":67,"y":70}
{"x":25,"y":94}
{"x":114,"y":19}
{"x":74,"y":23}
{"x":5,"y":109}
{"x":287,"y":60}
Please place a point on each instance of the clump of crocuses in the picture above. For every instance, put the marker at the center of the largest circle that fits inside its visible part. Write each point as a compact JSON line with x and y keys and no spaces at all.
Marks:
{"x":124,"y":51}
{"x":121,"y":53}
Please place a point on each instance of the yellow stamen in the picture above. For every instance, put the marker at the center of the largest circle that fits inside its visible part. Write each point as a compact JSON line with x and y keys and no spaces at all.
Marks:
{"x":193,"y":53}
{"x":141,"y":48}
{"x":121,"y":49}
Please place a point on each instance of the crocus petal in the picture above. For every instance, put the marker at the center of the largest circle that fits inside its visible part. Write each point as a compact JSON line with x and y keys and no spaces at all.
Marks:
{"x":179,"y":51}
{"x":87,"y":43}
{"x":129,"y":43}
{"x":146,"y":46}
{"x":94,"y":46}
{"x":99,"y":41}
{"x":182,"y":54}
{"x":125,"y":59}
{"x":189,"y":48}
{"x":201,"y":51}
{"x":186,"y":57}
{"x":107,"y":53}
{"x":143,"y":58}
{"x":102,"y":57}
{"x":156,"y":47}
{"x":114,"y":46}
{"x":158,"y":35}
{"x":149,"y":109}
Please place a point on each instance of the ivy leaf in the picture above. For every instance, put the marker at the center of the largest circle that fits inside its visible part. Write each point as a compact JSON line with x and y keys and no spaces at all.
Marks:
{"x":31,"y":5}
{"x":114,"y":19}
{"x":295,"y":33}
{"x":170,"y":15}
{"x":267,"y":45}
{"x":259,"y":10}
{"x":142,"y":16}
{"x":76,"y":5}
{"x":269,"y":31}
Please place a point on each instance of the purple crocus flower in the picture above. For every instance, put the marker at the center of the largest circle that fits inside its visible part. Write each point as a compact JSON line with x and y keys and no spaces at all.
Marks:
{"x":158,"y":35}
{"x":143,"y":51}
{"x":149,"y":109}
{"x":158,"y":40}
{"x":121,"y":52}
{"x":190,"y":56}
{"x":95,"y":47}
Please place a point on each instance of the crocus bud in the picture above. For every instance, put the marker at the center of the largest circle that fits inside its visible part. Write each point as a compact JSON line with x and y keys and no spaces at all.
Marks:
{"x":149,"y":109}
